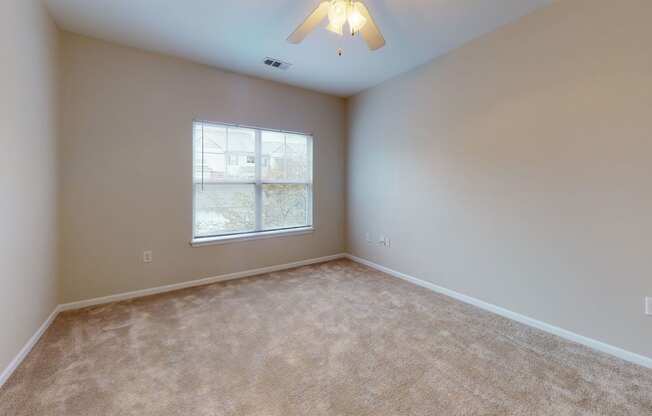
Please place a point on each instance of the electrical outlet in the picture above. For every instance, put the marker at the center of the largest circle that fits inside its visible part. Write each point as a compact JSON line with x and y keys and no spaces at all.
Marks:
{"x":648,"y":306}
{"x":147,"y":256}
{"x":384,"y":241}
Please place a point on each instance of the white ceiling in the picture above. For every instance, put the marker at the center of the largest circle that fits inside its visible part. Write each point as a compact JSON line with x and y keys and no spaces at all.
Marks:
{"x":237,"y":34}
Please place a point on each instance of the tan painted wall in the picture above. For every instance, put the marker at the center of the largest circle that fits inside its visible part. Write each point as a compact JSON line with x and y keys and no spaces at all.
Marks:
{"x":126,"y":166}
{"x":518,"y":169}
{"x":28,"y":172}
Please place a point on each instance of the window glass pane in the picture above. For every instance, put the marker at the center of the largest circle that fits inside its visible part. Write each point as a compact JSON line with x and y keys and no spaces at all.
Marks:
{"x":241,"y":154}
{"x":213,"y":147}
{"x":297,"y":158}
{"x":285,"y":206}
{"x":286,"y":157}
{"x":224,"y":209}
{"x":224,"y":154}
{"x":273,"y":155}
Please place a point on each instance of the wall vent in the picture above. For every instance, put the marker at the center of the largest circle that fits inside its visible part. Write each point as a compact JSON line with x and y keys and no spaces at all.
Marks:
{"x":275,"y":63}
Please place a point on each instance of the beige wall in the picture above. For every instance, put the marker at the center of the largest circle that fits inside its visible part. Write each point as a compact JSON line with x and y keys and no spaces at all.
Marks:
{"x":28,"y":172}
{"x":518,"y":169}
{"x":126,"y":165}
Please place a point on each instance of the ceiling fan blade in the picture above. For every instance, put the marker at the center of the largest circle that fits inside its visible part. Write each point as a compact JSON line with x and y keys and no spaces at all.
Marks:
{"x":370,"y":32}
{"x":310,"y":23}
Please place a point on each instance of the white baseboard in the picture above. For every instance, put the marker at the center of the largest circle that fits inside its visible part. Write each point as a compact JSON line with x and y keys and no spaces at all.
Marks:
{"x":600,"y":346}
{"x":18,"y":359}
{"x":193,"y":283}
{"x":560,"y":332}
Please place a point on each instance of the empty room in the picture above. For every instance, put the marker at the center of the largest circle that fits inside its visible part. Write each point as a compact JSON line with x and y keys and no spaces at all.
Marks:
{"x":337,"y":208}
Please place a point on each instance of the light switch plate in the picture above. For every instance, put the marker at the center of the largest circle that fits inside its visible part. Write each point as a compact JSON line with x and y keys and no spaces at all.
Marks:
{"x":648,"y":306}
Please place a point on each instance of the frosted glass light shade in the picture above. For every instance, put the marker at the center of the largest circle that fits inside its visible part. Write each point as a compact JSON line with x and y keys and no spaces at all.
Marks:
{"x":356,"y":19}
{"x":341,"y":12}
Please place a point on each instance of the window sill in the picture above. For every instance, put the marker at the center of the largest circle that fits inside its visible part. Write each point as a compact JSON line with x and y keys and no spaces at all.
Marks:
{"x":207,"y":241}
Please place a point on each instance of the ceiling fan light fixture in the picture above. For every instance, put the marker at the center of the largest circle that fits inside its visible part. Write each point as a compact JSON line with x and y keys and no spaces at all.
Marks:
{"x":337,"y":15}
{"x":338,"y":29}
{"x":341,"y":12}
{"x":355,"y":18}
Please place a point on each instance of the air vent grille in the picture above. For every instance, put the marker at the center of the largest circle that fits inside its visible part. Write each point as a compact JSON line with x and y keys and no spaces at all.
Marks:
{"x":275,"y":63}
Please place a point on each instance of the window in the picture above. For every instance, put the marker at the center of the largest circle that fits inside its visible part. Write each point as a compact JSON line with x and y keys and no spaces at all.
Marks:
{"x":233,"y":160}
{"x":249,"y":182}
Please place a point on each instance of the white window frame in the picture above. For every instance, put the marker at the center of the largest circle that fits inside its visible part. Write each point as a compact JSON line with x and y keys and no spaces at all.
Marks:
{"x":258,"y":182}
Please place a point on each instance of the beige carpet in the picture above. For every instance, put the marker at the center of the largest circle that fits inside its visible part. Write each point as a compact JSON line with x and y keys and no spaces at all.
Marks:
{"x":330,"y":339}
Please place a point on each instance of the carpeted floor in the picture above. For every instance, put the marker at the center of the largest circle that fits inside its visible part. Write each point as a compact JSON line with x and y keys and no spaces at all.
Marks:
{"x":329,"y":339}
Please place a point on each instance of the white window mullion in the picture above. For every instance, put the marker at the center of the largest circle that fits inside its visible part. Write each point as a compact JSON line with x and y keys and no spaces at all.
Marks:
{"x":309,"y":203}
{"x":310,"y":182}
{"x":285,"y":153}
{"x":259,"y":185}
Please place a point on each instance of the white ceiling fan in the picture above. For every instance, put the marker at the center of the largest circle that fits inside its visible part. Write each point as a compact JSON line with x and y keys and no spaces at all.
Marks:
{"x":341,"y":13}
